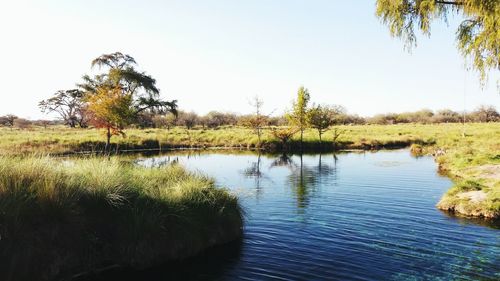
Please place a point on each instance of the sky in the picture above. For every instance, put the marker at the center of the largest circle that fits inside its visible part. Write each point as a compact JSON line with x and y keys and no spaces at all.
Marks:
{"x":218,"y":54}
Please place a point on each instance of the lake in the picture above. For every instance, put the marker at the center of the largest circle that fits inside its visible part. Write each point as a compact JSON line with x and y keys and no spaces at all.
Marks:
{"x":350,"y":216}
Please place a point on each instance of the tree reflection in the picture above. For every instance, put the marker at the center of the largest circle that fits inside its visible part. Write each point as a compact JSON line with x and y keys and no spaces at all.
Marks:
{"x":305,"y":179}
{"x":254,"y":171}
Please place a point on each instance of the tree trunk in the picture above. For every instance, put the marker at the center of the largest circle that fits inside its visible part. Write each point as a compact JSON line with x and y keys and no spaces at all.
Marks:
{"x":301,"y":138}
{"x":108,"y":140}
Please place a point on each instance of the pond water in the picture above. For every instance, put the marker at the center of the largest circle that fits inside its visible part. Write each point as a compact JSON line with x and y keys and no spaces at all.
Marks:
{"x":350,"y":216}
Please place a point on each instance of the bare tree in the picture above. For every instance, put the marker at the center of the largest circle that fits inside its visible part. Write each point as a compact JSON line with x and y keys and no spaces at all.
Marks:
{"x":69,"y":105}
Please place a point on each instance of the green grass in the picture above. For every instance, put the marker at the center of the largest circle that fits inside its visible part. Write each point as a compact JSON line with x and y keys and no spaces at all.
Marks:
{"x":60,"y":216}
{"x":64,"y":140}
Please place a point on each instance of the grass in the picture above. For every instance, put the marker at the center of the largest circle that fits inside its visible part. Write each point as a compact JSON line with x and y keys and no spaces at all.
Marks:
{"x":65,"y":140}
{"x":62,"y":216}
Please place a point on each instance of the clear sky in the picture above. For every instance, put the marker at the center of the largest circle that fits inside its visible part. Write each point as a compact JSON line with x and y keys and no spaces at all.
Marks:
{"x":217,"y":54}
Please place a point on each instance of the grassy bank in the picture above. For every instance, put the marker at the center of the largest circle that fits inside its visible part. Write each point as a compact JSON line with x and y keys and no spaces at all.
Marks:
{"x":58,"y":217}
{"x":64,"y":140}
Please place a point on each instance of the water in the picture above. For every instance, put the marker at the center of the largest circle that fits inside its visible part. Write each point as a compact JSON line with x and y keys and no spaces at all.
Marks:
{"x":352,"y":216}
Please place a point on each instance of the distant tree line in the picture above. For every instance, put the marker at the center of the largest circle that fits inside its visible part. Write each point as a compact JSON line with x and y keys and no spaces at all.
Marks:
{"x":426,"y":116}
{"x":335,"y":114}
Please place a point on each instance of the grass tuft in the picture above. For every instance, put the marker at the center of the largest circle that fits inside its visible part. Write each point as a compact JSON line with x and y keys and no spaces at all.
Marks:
{"x":62,"y":216}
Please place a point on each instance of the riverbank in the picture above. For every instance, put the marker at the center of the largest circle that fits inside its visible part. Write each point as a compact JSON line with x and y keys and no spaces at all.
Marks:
{"x":471,"y":160}
{"x":58,"y":217}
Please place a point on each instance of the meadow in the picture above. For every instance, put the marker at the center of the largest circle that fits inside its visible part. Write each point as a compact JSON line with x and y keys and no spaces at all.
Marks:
{"x":469,"y":154}
{"x":68,"y":215}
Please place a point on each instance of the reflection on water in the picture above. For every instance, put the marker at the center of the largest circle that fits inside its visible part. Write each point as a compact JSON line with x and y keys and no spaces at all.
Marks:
{"x":351,"y":216}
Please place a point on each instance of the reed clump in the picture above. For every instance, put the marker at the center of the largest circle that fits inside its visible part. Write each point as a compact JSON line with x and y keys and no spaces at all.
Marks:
{"x":58,"y":217}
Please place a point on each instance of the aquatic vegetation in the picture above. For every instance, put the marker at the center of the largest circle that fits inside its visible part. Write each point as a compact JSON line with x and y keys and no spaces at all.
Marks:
{"x":62,"y":216}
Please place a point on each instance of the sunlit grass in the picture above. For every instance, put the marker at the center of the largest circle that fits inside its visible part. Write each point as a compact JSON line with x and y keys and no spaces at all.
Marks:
{"x":58,"y":215}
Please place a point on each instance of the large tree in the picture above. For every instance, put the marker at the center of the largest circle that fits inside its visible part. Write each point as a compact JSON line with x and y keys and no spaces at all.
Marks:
{"x":478,"y":35}
{"x":69,"y":105}
{"x":120,"y":73}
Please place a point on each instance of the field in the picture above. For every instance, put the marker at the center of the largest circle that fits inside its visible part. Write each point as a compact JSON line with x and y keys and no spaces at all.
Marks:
{"x":89,"y":213}
{"x":58,"y":140}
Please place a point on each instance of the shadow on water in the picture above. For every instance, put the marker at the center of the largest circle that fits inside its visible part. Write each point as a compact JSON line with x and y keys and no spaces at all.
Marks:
{"x":210,"y":265}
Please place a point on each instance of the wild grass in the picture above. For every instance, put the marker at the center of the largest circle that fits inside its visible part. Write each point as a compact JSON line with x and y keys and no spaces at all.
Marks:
{"x":62,"y":216}
{"x":59,"y":139}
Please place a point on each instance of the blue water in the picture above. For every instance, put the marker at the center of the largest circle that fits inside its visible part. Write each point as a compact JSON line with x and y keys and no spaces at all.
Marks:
{"x":351,"y":216}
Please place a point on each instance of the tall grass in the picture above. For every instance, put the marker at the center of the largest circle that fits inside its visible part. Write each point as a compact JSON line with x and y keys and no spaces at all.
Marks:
{"x":62,"y":216}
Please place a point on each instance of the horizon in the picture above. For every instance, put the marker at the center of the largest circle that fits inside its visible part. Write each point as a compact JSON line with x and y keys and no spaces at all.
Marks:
{"x":218,"y":55}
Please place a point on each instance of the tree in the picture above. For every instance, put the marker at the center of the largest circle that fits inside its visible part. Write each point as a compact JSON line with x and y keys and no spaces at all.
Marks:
{"x":320,"y":118}
{"x":120,"y":74}
{"x":187,"y":119}
{"x":477,"y":35}
{"x":22,"y":123}
{"x":164,"y":121}
{"x":70,"y":106}
{"x":284,"y":134}
{"x":257,"y":121}
{"x":485,"y":114}
{"x":110,"y":109}
{"x":8,"y":120}
{"x":447,"y":116}
{"x":298,"y":117}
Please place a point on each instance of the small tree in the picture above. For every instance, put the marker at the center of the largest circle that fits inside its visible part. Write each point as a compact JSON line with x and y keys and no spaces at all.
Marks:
{"x":320,"y":118}
{"x":111,"y":110}
{"x":165,"y":121}
{"x":22,"y":123}
{"x":8,"y":120}
{"x":257,"y":121}
{"x":284,"y":134}
{"x":298,"y":117}
{"x":336,"y":134}
{"x":187,"y":119}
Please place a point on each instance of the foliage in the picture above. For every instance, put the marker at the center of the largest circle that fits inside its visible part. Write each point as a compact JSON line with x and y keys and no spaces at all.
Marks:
{"x":320,"y":118}
{"x":477,"y":35}
{"x":111,"y":109}
{"x":284,"y":134}
{"x":187,"y":119}
{"x":298,"y":116}
{"x":120,"y":73}
{"x":69,"y":105}
{"x":164,"y":121}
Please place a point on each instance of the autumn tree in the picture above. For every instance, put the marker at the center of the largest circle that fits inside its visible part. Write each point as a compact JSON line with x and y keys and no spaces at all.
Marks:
{"x":120,"y":74}
{"x":284,"y":134}
{"x":110,"y":109}
{"x":69,"y":105}
{"x":298,"y":116}
{"x":477,"y":36}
